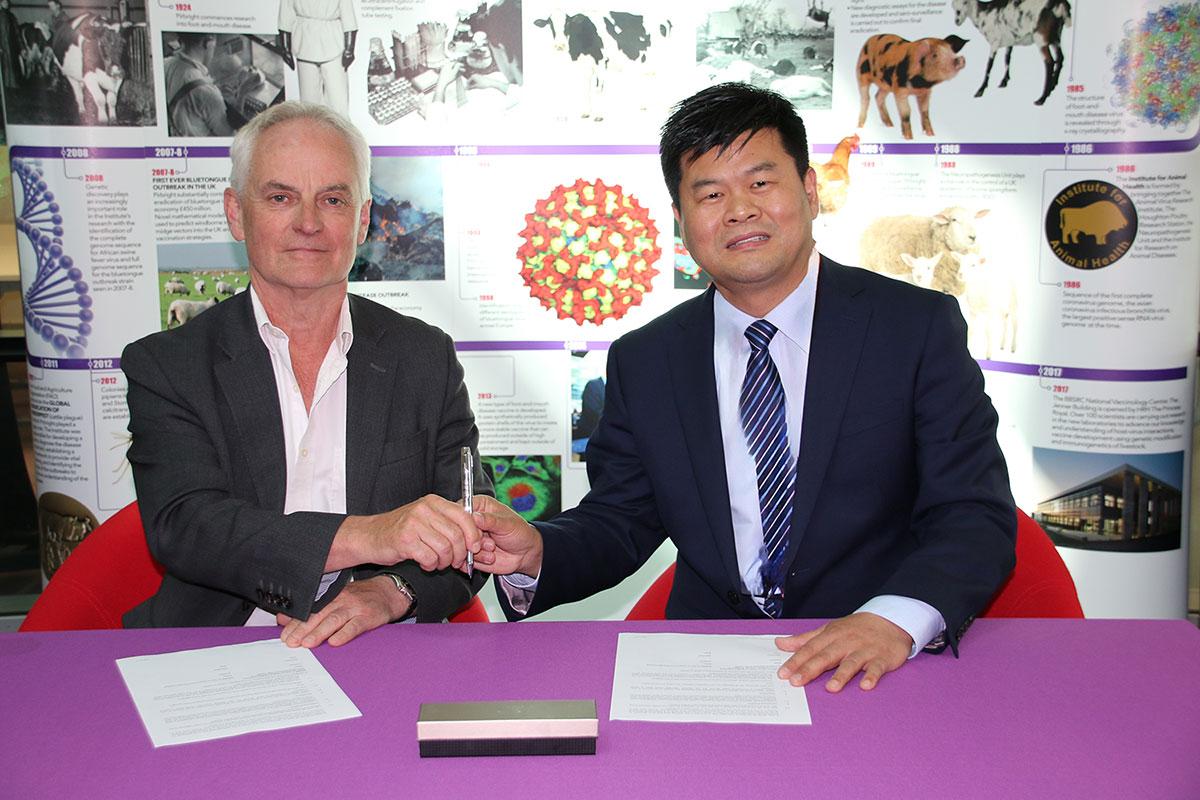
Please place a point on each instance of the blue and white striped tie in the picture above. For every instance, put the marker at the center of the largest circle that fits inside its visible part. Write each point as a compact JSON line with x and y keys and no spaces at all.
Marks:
{"x":764,"y":421}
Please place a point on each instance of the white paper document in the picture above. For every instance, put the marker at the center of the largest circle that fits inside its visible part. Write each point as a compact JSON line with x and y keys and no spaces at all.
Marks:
{"x":686,"y":677}
{"x":194,"y":695}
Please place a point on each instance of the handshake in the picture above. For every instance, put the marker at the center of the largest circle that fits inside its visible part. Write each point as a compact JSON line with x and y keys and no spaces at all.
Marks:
{"x":437,"y":534}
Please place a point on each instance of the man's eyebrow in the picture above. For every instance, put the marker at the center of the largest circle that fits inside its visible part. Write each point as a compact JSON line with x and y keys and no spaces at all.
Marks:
{"x":280,"y":186}
{"x":762,"y":166}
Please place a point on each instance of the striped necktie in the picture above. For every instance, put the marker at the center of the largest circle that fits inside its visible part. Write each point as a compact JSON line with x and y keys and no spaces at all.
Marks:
{"x":763,"y":409}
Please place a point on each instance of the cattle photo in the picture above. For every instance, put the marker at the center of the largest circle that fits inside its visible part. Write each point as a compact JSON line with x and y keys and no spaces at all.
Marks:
{"x":782,"y":46}
{"x":593,"y":66}
{"x":86,"y":64}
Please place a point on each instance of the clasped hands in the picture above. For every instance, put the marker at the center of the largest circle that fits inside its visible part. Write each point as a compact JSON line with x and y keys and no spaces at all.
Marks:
{"x":437,"y":534}
{"x":433,"y":532}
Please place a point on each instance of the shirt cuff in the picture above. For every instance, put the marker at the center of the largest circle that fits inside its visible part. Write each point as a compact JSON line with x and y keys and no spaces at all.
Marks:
{"x":518,"y":590}
{"x":918,"y":619}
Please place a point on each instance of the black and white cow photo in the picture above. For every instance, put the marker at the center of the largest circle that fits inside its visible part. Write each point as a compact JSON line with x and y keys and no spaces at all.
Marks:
{"x":82,"y":62}
{"x":598,"y":65}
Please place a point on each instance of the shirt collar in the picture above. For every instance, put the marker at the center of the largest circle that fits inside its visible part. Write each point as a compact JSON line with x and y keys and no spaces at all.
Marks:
{"x":793,"y":316}
{"x":193,"y":62}
{"x":273,"y":335}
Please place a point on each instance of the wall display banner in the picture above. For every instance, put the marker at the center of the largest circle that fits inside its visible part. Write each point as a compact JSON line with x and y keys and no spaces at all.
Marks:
{"x":519,"y":205}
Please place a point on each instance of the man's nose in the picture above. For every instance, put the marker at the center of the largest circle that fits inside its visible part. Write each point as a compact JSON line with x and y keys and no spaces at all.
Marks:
{"x":308,"y":218}
{"x":741,"y":208}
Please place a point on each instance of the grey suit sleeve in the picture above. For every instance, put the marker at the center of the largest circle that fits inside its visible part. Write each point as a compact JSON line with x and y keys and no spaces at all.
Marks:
{"x":440,"y":594}
{"x":198,"y":522}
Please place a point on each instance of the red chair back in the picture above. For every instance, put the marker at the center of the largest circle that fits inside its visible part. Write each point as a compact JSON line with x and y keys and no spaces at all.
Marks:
{"x":111,"y":571}
{"x":471,"y":612}
{"x":1039,"y":586}
{"x":107,"y":574}
{"x":653,"y":604}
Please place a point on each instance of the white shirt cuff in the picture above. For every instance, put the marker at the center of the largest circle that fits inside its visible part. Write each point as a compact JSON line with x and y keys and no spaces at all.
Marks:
{"x":918,"y":619}
{"x":518,"y":590}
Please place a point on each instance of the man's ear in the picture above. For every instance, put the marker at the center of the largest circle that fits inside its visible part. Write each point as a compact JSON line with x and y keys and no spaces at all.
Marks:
{"x":233,"y":214}
{"x":679,"y":222}
{"x":810,"y":191}
{"x":364,"y":221}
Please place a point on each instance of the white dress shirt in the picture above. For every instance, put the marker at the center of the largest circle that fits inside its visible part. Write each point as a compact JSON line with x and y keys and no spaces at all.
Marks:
{"x":314,"y":439}
{"x":789,"y":349}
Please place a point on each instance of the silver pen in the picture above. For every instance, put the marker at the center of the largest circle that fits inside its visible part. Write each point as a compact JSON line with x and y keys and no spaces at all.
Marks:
{"x":467,"y":463}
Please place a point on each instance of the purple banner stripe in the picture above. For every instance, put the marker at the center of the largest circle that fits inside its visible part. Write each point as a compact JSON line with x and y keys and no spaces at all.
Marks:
{"x":192,"y":152}
{"x":24,"y":151}
{"x":1084,"y":373}
{"x":564,"y":345}
{"x":46,"y":362}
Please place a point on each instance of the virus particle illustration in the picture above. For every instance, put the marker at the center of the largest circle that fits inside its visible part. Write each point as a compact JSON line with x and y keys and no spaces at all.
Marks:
{"x":529,"y":485}
{"x":1154,"y":67}
{"x":589,"y":252}
{"x":58,"y":307}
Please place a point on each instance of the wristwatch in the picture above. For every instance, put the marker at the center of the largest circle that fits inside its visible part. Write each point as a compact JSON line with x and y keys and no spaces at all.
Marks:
{"x":405,"y":588}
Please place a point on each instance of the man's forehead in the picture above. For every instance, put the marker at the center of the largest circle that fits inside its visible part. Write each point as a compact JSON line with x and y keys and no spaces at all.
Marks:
{"x":727,"y":150}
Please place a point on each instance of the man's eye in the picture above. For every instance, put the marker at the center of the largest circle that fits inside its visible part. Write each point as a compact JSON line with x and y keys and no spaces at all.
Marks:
{"x":760,"y":184}
{"x":335,"y":201}
{"x":279,"y":198}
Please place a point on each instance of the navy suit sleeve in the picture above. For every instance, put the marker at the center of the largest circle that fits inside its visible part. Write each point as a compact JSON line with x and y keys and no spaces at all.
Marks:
{"x":963,"y":516}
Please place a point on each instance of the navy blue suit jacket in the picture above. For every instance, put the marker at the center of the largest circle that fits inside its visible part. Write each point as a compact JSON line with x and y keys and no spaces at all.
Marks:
{"x":901,"y":487}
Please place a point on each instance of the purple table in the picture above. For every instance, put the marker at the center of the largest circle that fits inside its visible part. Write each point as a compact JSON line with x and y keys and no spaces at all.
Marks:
{"x":1033,"y":709}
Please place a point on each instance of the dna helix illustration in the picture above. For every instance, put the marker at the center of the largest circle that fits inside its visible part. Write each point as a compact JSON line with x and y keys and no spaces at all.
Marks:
{"x":58,"y":307}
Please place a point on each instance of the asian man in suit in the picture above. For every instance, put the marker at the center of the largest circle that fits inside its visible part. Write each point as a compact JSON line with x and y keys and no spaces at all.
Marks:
{"x":296,"y":449}
{"x":813,"y":438}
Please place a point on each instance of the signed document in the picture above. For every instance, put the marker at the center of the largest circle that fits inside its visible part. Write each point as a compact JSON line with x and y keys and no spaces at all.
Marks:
{"x":194,"y":695}
{"x":685,"y":677}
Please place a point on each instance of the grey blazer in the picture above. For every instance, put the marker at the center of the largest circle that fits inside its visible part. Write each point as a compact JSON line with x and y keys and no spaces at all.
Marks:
{"x":208,"y":462}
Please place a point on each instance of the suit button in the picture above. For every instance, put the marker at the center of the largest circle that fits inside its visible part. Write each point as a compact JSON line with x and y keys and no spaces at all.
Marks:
{"x":733,"y":597}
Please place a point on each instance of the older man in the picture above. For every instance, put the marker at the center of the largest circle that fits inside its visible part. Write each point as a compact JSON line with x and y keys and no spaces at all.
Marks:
{"x":294,"y":448}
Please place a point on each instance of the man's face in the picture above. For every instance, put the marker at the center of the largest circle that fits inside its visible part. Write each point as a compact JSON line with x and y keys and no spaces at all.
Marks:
{"x":298,"y":213}
{"x":746,"y":218}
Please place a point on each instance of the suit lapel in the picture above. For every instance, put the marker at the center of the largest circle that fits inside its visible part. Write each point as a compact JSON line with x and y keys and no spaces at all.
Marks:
{"x":694,"y":382}
{"x":247,"y":381}
{"x":370,"y":376}
{"x":839,"y":330}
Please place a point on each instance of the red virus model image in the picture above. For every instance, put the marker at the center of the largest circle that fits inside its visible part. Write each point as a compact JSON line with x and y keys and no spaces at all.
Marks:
{"x":589,"y":252}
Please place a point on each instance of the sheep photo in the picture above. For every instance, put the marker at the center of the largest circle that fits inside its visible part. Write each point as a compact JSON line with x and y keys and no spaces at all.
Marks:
{"x":941,"y":251}
{"x":184,"y":294}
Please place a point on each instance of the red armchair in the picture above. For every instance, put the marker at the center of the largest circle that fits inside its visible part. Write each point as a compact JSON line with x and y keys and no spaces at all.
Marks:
{"x":1039,"y":586}
{"x":111,"y":571}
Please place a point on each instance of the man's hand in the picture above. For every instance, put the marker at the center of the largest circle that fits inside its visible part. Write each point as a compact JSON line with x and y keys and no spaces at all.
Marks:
{"x":432,"y":531}
{"x":511,"y":544}
{"x":361,"y":606}
{"x":862,"y":642}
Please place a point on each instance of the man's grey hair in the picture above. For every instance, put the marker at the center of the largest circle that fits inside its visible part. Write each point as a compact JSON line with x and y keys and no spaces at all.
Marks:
{"x":241,"y":150}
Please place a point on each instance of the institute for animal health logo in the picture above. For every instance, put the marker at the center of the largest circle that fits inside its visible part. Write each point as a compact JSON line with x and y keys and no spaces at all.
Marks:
{"x":1091,"y":224}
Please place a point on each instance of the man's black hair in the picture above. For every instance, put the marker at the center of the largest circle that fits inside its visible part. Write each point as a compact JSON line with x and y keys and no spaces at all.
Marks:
{"x":716,"y":117}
